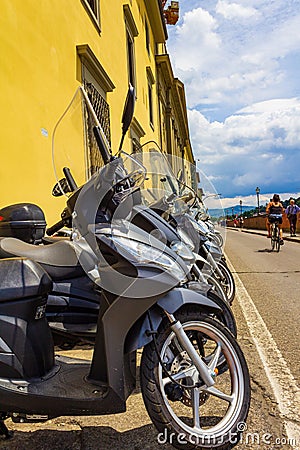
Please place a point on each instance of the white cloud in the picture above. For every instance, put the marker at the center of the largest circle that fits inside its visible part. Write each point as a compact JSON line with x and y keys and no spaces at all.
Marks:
{"x":234,"y":10}
{"x":240,"y":65}
{"x":234,"y":63}
{"x":275,"y":105}
{"x":248,"y":200}
{"x":198,"y":31}
{"x":258,"y":145}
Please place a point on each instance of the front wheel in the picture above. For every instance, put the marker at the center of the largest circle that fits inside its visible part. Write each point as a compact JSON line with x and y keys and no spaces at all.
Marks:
{"x":275,"y":238}
{"x":226,"y":316}
{"x":277,"y":244}
{"x":225,"y":277}
{"x":216,"y":286}
{"x":186,"y":413}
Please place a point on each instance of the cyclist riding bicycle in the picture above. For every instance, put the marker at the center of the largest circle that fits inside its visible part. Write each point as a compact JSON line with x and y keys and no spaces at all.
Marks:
{"x":274,"y":211}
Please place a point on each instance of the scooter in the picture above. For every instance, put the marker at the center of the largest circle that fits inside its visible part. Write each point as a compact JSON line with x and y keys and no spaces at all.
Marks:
{"x":143,"y":306}
{"x":172,"y":199}
{"x":36,"y":385}
{"x":73,"y":303}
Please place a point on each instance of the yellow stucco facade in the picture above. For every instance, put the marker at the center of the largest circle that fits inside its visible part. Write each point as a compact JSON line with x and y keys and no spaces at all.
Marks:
{"x":48,"y":48}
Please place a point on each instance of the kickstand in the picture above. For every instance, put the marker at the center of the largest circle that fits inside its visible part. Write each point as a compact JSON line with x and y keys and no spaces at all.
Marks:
{"x":4,"y":430}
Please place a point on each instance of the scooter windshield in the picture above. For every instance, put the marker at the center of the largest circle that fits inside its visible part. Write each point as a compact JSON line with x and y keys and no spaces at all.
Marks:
{"x":73,"y":143}
{"x":75,"y":148}
{"x":162,"y":188}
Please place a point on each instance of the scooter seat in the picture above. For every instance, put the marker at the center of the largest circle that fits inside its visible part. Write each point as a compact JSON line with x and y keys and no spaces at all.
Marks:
{"x":59,"y":260}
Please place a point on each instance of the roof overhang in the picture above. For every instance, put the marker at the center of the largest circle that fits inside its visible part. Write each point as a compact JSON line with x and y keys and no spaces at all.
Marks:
{"x":157,"y":20}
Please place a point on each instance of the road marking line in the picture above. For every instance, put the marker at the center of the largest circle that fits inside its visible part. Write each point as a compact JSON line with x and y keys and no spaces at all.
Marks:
{"x":283,"y":383}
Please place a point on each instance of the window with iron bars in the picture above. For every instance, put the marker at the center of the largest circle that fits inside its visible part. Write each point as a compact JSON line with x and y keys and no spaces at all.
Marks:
{"x":101,"y":109}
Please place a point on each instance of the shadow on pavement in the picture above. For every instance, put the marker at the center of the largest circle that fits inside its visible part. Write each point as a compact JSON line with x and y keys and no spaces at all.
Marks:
{"x":88,"y":438}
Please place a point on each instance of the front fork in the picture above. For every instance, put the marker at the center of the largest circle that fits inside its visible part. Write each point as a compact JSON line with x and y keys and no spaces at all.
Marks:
{"x":205,"y":373}
{"x":213,"y":263}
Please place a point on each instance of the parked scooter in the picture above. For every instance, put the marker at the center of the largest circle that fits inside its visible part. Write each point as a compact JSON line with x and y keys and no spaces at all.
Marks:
{"x":172,"y":199}
{"x":182,"y":350}
{"x":144,"y":305}
{"x":73,"y":303}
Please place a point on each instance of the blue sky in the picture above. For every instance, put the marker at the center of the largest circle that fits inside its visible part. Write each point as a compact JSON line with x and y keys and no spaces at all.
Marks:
{"x":240,"y":63}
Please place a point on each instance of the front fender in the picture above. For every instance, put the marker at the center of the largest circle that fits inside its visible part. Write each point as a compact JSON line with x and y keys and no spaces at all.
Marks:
{"x":138,"y":336}
{"x":176,"y":298}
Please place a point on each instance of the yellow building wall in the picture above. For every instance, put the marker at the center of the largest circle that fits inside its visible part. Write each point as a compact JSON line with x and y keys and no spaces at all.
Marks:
{"x":39,"y":75}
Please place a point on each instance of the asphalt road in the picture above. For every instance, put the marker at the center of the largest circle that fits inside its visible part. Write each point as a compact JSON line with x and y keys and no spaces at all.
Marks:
{"x":267,"y":303}
{"x":273,"y":282}
{"x":267,"y":313}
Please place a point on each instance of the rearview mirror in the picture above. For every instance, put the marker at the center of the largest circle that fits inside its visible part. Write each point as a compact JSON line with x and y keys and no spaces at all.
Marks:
{"x":128,"y":109}
{"x":61,"y":187}
{"x":127,"y":113}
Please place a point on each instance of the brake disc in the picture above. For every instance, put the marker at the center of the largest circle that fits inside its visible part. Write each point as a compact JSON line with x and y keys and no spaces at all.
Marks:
{"x":181,"y":362}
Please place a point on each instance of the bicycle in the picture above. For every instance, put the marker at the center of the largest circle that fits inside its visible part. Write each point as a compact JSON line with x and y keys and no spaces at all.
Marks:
{"x":274,"y":220}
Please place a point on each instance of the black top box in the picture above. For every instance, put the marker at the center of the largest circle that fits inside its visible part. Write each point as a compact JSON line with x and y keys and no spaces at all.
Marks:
{"x":24,"y":221}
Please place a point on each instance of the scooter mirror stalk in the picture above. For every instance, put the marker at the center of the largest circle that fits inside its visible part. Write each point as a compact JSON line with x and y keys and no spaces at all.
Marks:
{"x":127,"y":113}
{"x":106,"y":156}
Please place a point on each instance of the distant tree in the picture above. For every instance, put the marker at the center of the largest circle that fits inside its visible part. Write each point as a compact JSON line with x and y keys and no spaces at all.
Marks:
{"x":286,"y":203}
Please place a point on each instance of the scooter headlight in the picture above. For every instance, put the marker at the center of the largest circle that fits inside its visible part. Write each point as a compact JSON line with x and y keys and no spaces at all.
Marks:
{"x":185,"y":238}
{"x":182,"y":250}
{"x":146,"y":254}
{"x":200,"y":227}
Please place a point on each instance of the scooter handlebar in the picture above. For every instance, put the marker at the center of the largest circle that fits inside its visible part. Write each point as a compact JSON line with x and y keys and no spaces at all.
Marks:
{"x":186,"y":198}
{"x":56,"y":227}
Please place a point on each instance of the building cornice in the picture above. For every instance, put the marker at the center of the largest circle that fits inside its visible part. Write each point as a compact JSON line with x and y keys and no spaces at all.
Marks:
{"x":88,"y":57}
{"x":157,"y":20}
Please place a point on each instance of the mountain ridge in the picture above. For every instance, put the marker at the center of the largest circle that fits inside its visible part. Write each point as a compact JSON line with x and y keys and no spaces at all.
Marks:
{"x":229,"y":211}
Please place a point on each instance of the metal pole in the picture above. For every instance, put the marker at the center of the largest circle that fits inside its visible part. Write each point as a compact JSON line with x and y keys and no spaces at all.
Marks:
{"x":257,"y":190}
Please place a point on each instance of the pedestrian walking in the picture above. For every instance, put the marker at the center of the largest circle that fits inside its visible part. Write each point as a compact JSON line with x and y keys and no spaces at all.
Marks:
{"x":291,"y":212}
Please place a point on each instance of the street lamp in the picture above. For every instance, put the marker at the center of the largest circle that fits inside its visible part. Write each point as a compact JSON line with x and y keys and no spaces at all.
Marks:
{"x":257,"y":190}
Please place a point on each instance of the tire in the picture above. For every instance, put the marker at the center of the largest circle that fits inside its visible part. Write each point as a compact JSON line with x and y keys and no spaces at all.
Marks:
{"x":227,"y":317}
{"x":227,"y":281}
{"x":277,"y":243}
{"x":214,"y":238}
{"x":218,"y":238}
{"x":273,"y":239}
{"x":216,"y":286}
{"x":174,"y":409}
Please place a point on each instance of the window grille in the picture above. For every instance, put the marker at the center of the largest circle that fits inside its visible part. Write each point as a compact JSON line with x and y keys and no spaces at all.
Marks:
{"x":101,"y":109}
